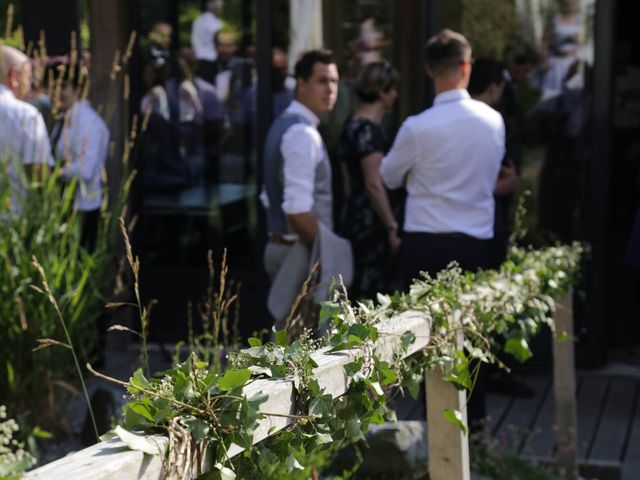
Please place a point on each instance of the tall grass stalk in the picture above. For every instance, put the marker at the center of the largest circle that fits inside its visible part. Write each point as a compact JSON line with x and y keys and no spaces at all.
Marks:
{"x":52,"y":300}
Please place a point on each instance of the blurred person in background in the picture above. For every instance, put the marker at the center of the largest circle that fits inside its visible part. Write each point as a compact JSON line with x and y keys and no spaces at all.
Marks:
{"x":202,"y":31}
{"x":159,"y":50}
{"x":25,"y":149}
{"x":368,"y":220}
{"x":448,"y":157}
{"x":195,"y":102}
{"x":81,"y":143}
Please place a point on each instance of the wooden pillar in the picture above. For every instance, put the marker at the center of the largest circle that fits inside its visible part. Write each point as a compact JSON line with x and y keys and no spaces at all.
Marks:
{"x":408,"y":41}
{"x":564,"y":386}
{"x":448,"y":444}
{"x":110,"y":30}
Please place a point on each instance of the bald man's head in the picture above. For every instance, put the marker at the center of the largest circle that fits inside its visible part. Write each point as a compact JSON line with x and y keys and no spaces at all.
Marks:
{"x":15,"y":71}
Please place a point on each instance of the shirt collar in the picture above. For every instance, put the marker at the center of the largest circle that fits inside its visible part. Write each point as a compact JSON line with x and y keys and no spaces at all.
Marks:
{"x":299,"y":109}
{"x":451,"y":96}
{"x":4,"y":90}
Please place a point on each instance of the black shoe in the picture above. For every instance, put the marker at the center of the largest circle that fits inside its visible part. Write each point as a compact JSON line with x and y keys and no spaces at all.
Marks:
{"x":503,"y":383}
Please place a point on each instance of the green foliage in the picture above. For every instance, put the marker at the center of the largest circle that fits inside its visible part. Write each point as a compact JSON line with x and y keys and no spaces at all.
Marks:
{"x":488,"y":461}
{"x":512,"y":302}
{"x":13,"y":458}
{"x":38,"y":219}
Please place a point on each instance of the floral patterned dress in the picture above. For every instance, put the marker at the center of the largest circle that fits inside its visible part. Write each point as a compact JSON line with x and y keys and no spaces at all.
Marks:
{"x":359,"y":223}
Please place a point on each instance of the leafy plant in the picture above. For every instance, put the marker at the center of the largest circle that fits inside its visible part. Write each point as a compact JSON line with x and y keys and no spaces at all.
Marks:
{"x":204,"y":412}
{"x":14,"y":459}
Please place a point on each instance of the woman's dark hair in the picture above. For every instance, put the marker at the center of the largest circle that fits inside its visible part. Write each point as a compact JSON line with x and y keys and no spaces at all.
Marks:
{"x":304,"y":67}
{"x":485,"y":71}
{"x":374,"y":78}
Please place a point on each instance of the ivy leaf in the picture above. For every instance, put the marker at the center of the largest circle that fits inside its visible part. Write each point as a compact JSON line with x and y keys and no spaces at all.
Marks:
{"x":257,"y":370}
{"x":519,"y":348}
{"x":136,"y":442}
{"x":254,"y":342}
{"x":383,"y":300}
{"x":138,"y":381}
{"x":327,"y":311}
{"x":278,"y":371}
{"x":281,"y":338}
{"x":388,"y":375}
{"x":233,"y":379}
{"x":323,"y":438}
{"x":455,"y":417}
{"x":292,"y":463}
{"x":407,"y":339}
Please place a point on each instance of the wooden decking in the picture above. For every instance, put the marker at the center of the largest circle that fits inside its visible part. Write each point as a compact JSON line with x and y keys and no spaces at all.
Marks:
{"x":608,"y":423}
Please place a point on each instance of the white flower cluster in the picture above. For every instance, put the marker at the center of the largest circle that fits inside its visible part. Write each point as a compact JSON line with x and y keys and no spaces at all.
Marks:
{"x":13,"y":458}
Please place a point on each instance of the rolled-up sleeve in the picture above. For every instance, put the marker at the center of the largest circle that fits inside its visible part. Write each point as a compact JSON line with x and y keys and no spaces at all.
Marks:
{"x":397,"y":163}
{"x":301,"y":147}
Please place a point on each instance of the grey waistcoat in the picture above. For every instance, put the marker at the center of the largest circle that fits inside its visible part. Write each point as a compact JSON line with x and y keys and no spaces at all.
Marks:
{"x":273,"y":179}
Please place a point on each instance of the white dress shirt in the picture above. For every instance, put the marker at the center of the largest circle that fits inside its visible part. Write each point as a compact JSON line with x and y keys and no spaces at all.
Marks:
{"x":202,"y":31}
{"x":449,"y":157}
{"x":302,"y":150}
{"x":83,"y":147}
{"x":23,"y":139}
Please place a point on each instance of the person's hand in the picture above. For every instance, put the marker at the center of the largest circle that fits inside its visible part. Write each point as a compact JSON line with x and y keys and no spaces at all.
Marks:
{"x":507,"y":179}
{"x":394,"y":240}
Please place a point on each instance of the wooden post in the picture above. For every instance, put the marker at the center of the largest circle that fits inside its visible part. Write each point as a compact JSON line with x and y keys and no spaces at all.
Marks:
{"x":564,"y":385}
{"x":448,"y":444}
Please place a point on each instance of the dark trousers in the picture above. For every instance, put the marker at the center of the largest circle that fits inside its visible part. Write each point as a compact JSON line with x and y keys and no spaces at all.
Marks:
{"x":433,"y":252}
{"x":89,"y":234}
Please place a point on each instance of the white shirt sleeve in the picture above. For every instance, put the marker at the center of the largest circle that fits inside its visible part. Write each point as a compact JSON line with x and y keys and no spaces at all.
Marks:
{"x":36,"y":148}
{"x":301,"y":149}
{"x":402,"y":156}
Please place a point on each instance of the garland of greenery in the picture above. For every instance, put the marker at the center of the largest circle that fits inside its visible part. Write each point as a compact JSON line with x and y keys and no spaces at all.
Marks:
{"x":202,"y":410}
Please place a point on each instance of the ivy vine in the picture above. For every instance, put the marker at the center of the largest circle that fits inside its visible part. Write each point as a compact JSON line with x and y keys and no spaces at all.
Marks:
{"x":204,"y":413}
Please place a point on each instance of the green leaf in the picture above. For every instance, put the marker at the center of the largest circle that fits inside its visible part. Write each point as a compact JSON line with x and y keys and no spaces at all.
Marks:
{"x":40,"y":433}
{"x":563,"y":336}
{"x":323,"y":438}
{"x":455,"y":417}
{"x":233,"y":379}
{"x":281,"y":338}
{"x":519,"y":348}
{"x":278,"y":371}
{"x":137,"y":442}
{"x":254,"y":342}
{"x":383,"y":300}
{"x":293,"y":464}
{"x":328,"y":311}
{"x":137,"y":381}
{"x":407,"y":339}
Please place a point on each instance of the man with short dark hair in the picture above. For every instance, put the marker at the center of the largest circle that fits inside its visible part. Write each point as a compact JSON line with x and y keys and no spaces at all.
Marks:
{"x":448,"y":157}
{"x":297,"y":172}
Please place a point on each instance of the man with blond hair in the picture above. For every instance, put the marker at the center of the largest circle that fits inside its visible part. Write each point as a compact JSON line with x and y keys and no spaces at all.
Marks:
{"x":24,"y":141}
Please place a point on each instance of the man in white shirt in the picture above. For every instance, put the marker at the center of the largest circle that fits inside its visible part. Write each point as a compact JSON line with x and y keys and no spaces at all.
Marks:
{"x":202,"y":31}
{"x":82,"y":145}
{"x":297,"y":172}
{"x":448,"y":157}
{"x":24,"y":142}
